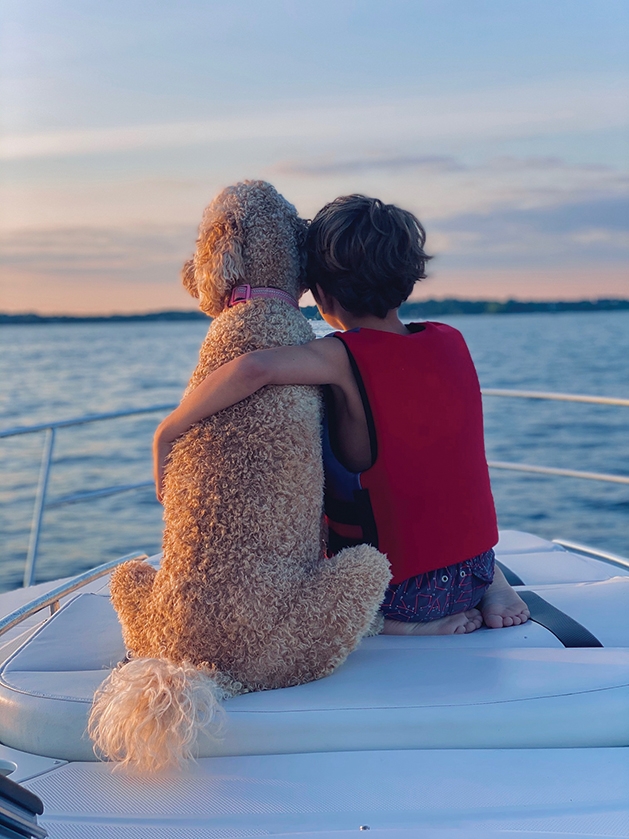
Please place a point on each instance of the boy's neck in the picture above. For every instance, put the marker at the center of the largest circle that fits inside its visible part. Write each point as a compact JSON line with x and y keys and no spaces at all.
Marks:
{"x":390,"y":323}
{"x":333,"y":313}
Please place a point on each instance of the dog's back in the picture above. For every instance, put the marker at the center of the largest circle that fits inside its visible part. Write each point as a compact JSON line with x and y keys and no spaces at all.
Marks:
{"x":242,"y":500}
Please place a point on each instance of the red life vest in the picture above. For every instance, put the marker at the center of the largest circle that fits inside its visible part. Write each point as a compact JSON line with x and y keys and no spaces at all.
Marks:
{"x":426,"y":500}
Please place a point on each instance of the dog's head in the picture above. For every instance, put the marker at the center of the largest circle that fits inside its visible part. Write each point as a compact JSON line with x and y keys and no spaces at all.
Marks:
{"x":248,"y":234}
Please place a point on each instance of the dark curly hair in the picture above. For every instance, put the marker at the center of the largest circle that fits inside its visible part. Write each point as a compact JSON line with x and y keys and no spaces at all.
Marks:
{"x":366,"y":254}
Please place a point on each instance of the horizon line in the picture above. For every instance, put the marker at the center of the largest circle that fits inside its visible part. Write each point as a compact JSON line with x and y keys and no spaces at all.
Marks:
{"x":496,"y":304}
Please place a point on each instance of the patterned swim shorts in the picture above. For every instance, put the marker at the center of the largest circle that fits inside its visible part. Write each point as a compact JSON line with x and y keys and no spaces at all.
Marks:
{"x":446,"y":591}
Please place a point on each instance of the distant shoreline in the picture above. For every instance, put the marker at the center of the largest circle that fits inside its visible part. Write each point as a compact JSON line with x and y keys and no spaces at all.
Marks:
{"x":423,"y":309}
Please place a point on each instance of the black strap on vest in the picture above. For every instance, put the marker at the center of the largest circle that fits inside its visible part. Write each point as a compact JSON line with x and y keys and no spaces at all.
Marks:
{"x":357,"y":512}
{"x":337,"y":543}
{"x":344,"y":512}
{"x":367,"y":520}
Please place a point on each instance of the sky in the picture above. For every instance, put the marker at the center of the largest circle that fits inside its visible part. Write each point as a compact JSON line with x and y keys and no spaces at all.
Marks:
{"x":503,"y":124}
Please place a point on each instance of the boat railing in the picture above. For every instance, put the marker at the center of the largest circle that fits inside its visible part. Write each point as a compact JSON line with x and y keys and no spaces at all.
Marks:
{"x":49,"y":430}
{"x":551,"y":470}
{"x":605,"y":556}
{"x":53,"y":597}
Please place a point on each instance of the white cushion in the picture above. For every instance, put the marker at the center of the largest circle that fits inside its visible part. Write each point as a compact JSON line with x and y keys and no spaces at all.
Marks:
{"x":535,"y":569}
{"x":506,"y":688}
{"x":517,"y":541}
{"x":539,"y":562}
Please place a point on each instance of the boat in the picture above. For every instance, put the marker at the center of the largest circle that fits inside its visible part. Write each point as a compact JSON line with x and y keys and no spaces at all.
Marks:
{"x":518,"y":732}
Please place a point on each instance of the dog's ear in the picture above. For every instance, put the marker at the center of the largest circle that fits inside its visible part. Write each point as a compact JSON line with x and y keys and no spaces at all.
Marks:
{"x":218,"y":262}
{"x":229,"y":269}
{"x":188,"y":278}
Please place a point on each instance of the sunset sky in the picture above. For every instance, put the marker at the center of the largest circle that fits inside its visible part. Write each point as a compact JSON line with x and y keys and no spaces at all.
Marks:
{"x":501,"y":123}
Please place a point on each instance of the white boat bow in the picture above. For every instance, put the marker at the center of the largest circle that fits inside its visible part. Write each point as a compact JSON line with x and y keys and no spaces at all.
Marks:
{"x":513,"y":732}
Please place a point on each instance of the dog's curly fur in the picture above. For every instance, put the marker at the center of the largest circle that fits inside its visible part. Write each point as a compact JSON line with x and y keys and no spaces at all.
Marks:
{"x":244,"y":592}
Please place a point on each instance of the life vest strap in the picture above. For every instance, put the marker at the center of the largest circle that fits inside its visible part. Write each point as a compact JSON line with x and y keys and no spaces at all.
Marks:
{"x":344,"y":512}
{"x":357,"y":513}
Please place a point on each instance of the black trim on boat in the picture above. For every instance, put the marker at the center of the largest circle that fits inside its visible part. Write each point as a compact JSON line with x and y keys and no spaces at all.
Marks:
{"x":20,"y":796}
{"x":570,"y":632}
{"x":19,"y":809}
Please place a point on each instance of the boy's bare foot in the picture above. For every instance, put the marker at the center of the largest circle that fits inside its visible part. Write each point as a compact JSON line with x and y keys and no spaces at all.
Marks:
{"x":450,"y":625}
{"x":501,"y":605}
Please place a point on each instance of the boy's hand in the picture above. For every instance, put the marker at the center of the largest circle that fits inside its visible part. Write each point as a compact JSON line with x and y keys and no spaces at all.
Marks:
{"x":162,"y":447}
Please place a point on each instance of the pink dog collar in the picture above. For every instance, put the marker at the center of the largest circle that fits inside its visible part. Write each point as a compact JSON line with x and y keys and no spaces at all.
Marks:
{"x":242,"y":293}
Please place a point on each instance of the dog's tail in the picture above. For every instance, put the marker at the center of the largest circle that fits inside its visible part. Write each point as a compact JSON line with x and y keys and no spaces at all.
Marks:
{"x":148,"y":712}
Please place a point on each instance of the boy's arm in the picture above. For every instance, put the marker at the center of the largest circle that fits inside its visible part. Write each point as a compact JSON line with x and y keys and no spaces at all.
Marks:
{"x":316,"y":363}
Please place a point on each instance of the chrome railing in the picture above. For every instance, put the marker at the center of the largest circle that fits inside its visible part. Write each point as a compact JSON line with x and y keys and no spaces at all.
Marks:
{"x":50,"y":430}
{"x":605,"y":556}
{"x":557,"y":397}
{"x":51,"y":598}
{"x":551,"y":470}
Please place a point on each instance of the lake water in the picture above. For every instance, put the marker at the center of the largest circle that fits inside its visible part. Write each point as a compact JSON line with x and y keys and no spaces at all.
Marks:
{"x":56,"y":371}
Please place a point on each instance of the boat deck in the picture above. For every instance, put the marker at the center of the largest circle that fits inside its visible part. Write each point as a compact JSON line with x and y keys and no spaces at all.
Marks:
{"x":427,"y":794}
{"x":394,"y":784}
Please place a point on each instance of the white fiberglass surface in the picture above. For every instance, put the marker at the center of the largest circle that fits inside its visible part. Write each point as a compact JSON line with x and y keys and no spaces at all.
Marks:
{"x":540,"y":562}
{"x":386,"y":695}
{"x":24,"y":765}
{"x":557,"y":792}
{"x":52,"y":678}
{"x":69,"y":830}
{"x":559,"y":566}
{"x":12,"y":600}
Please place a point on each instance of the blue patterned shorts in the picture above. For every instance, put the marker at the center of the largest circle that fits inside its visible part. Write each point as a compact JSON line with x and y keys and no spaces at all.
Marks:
{"x":446,"y":591}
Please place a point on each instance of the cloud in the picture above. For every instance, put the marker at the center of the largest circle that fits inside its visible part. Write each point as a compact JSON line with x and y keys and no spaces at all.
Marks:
{"x":400,"y":163}
{"x":539,"y":163}
{"x":610,"y":212}
{"x":443,"y":187}
{"x":534,"y":253}
{"x":501,"y":215}
{"x":122,"y":139}
{"x":143,"y":252}
{"x":596,"y":236}
{"x":497,"y":113}
{"x":587,"y":231}
{"x":438,"y":164}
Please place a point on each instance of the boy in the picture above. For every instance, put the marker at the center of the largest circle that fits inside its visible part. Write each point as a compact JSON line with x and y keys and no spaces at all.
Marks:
{"x":404,"y":453}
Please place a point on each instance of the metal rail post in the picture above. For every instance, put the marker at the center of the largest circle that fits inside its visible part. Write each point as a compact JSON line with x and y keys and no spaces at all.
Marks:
{"x":38,"y":510}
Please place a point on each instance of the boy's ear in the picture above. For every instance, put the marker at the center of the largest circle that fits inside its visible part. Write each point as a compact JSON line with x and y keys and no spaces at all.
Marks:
{"x":218,"y":262}
{"x":321,"y":298}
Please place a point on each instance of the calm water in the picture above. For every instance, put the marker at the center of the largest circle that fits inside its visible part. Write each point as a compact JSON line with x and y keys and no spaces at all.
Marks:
{"x":54,"y":371}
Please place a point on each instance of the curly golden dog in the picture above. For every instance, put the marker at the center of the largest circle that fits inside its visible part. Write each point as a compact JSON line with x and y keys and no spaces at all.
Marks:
{"x":245,"y":598}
